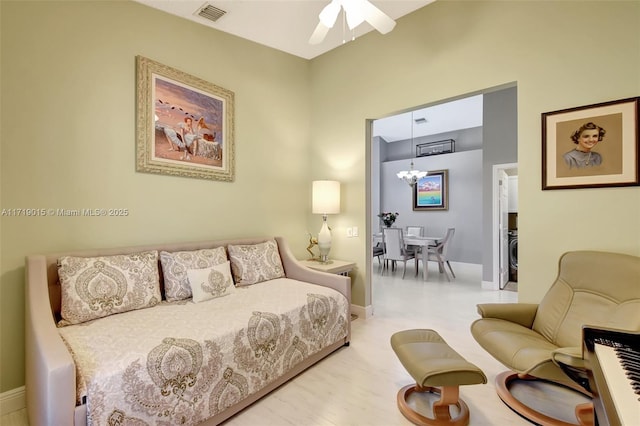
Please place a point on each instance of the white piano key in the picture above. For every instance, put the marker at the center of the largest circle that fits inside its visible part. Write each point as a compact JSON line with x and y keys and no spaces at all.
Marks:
{"x":624,"y":398}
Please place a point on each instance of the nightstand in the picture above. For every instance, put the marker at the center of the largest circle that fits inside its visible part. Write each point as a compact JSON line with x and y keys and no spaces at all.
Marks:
{"x":339,"y":267}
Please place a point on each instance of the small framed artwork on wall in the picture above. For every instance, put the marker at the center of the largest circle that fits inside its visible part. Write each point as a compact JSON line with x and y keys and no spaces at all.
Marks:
{"x":591,"y":146}
{"x":184,"y":125}
{"x":432,"y":191}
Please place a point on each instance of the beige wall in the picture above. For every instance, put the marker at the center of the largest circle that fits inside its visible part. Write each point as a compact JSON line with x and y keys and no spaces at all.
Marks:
{"x":68,"y":140}
{"x":68,"y":117}
{"x":560,"y":54}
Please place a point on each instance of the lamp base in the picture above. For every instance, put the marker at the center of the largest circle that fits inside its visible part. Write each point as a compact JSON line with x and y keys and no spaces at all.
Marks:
{"x":319,"y":260}
{"x":324,"y":240}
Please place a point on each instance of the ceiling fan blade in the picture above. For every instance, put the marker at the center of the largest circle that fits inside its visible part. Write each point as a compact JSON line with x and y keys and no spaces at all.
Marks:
{"x":329,"y":13}
{"x":376,"y":17}
{"x":319,"y":34}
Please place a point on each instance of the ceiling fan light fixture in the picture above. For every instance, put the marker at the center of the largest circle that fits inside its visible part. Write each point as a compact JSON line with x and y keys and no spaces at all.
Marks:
{"x":353,"y":13}
{"x":353,"y":21}
{"x":356,"y":12}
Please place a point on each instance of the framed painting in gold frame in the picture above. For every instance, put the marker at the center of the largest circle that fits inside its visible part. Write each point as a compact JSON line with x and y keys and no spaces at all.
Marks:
{"x":184,"y":125}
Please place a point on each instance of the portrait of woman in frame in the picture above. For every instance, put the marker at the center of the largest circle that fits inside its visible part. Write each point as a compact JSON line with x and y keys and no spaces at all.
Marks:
{"x":591,"y":146}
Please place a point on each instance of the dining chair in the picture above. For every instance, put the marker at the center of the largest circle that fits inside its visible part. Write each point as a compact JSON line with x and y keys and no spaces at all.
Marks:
{"x":378,"y":251}
{"x":415,"y":230}
{"x":438,"y":253}
{"x":394,"y":248}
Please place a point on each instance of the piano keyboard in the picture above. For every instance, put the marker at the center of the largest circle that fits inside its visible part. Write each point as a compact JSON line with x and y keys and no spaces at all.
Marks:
{"x":620,"y":366}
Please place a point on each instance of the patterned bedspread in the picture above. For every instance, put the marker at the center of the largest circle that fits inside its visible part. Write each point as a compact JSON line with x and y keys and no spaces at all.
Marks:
{"x":182,"y":362}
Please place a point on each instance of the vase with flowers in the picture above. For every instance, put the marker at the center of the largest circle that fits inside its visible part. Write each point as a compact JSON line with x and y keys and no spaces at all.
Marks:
{"x":388,"y":218}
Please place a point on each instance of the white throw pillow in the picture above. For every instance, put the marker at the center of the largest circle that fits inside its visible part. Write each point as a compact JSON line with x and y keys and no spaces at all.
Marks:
{"x":255,"y":263}
{"x":210,"y":283}
{"x":96,"y":287}
{"x":176,"y":264}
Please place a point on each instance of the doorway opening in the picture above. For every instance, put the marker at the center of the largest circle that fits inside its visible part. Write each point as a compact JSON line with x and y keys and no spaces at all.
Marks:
{"x":497,"y":139}
{"x":505,"y":227}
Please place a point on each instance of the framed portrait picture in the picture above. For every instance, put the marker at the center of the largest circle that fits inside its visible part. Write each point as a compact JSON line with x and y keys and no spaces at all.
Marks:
{"x":591,"y":146}
{"x":432,"y":191}
{"x":184,"y":125}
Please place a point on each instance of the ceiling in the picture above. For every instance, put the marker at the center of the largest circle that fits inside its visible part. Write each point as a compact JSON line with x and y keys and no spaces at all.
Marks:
{"x":285,"y":25}
{"x":460,"y":114}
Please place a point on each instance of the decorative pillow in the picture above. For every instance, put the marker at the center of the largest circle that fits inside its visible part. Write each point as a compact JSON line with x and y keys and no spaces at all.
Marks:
{"x":255,"y":263}
{"x":210,"y":283}
{"x":96,"y":287}
{"x":175,"y":265}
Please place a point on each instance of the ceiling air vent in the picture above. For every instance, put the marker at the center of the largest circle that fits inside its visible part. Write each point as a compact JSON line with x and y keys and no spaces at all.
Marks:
{"x":210,"y":12}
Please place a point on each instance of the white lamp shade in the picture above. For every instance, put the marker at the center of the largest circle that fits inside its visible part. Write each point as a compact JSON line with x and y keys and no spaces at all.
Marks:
{"x":326,"y":197}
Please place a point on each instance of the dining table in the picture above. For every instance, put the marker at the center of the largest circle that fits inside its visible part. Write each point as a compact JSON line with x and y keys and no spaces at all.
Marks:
{"x":416,"y":240}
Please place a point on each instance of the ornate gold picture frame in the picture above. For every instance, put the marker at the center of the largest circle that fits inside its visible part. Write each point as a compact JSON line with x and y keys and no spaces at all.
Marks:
{"x":184,"y":125}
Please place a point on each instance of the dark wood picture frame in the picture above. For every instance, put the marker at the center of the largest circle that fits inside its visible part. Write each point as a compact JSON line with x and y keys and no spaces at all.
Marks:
{"x":611,"y":158}
{"x":432,"y":191}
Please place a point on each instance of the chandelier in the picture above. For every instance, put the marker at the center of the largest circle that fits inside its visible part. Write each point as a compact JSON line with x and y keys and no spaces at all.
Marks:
{"x":411,"y":176}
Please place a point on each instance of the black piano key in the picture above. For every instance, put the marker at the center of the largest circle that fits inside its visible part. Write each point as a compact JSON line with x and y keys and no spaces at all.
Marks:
{"x":634,"y":373}
{"x":630,"y":368}
{"x":629,"y":359}
{"x":627,"y":349}
{"x":629,"y":352}
{"x":631,"y":363}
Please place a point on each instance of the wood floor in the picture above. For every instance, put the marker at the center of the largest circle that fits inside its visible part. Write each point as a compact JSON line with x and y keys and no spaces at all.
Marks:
{"x":357,"y":385}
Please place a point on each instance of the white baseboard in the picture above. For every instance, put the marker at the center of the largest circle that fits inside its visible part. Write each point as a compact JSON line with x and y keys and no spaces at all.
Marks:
{"x":490,"y":285}
{"x":364,"y":312}
{"x":12,"y":400}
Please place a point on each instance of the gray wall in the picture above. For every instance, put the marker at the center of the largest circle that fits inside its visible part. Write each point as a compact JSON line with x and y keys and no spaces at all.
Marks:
{"x":500,"y":146}
{"x":470,"y":184}
{"x":466,"y":140}
{"x":465,"y":201}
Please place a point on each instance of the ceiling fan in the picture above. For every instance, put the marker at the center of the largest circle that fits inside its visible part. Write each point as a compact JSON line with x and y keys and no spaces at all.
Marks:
{"x":356,"y":12}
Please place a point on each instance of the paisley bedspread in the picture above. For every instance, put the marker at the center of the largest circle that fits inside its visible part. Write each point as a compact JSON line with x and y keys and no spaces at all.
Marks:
{"x":183,"y":362}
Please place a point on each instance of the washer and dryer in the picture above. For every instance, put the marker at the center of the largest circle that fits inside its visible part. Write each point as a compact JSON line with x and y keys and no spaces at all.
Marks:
{"x":513,"y":255}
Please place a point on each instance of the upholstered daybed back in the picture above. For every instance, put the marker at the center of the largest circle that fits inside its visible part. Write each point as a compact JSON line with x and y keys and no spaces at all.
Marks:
{"x":52,"y":261}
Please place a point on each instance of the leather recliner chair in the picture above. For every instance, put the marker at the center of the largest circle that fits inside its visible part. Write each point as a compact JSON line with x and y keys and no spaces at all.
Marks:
{"x":544,"y":340}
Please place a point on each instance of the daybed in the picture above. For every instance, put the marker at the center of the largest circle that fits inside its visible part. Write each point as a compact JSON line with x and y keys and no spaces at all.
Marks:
{"x":173,"y":361}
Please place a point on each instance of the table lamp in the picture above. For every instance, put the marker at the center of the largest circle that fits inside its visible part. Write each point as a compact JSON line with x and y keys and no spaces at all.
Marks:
{"x":326,"y":200}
